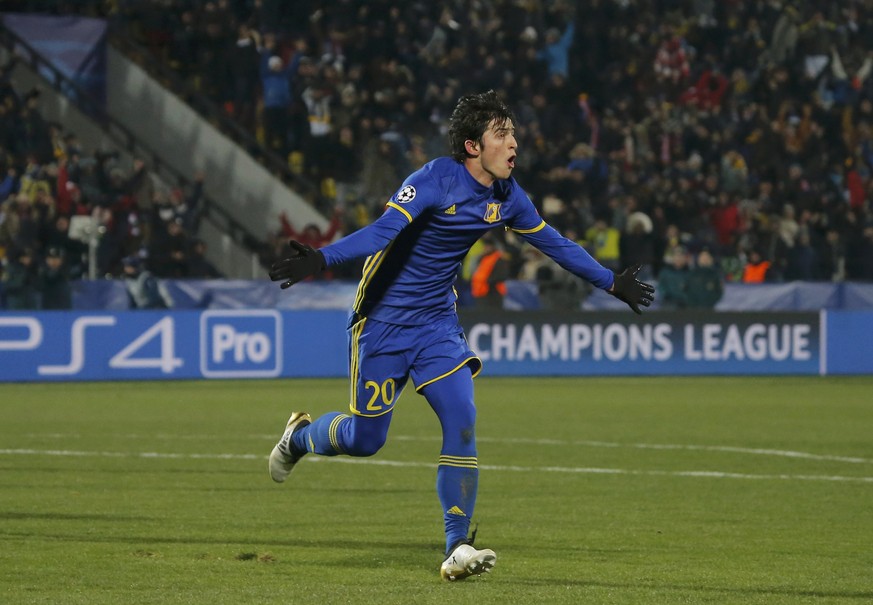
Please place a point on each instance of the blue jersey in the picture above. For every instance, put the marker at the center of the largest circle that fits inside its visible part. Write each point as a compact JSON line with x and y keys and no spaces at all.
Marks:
{"x":415,"y":249}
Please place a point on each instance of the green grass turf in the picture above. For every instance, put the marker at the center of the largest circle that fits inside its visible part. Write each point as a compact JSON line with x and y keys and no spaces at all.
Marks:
{"x":591,"y":491}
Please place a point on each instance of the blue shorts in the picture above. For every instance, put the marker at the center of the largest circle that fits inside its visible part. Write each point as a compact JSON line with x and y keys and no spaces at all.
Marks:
{"x":383,"y":356}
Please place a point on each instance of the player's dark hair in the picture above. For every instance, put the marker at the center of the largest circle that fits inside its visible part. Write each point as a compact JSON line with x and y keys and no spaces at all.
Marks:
{"x":471,"y":118}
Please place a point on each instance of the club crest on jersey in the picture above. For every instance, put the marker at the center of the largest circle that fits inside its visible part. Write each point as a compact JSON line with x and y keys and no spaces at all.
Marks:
{"x":407,"y":194}
{"x":492,"y":213}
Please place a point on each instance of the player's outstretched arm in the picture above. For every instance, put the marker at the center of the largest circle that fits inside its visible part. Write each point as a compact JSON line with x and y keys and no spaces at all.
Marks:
{"x":632,"y":291}
{"x":303,"y":262}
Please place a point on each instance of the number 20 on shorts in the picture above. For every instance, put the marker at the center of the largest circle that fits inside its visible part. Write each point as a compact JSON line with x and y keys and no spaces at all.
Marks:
{"x":380,"y":397}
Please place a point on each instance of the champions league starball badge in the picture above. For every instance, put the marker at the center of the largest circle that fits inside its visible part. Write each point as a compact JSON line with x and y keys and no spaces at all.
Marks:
{"x":407,"y":194}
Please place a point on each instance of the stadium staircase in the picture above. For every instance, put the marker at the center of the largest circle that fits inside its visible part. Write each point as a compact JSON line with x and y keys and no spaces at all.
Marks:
{"x":149,"y":114}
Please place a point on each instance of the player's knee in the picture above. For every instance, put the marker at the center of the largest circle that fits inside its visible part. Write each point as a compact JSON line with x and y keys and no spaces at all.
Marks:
{"x":459,"y":433}
{"x":365,"y":447}
{"x":465,"y":423}
{"x":467,"y":435}
{"x":366,"y":435}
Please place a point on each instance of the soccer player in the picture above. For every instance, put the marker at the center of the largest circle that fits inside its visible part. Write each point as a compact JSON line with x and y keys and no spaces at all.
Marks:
{"x":404,"y":323}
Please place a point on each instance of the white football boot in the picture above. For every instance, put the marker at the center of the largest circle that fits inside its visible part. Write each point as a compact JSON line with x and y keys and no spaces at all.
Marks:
{"x":466,"y":561}
{"x":282,"y":461}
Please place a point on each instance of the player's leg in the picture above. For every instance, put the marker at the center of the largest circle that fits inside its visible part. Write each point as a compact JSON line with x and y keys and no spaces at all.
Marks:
{"x":334,"y":434}
{"x":451,"y":398}
{"x":378,"y":371}
{"x":444,"y":368}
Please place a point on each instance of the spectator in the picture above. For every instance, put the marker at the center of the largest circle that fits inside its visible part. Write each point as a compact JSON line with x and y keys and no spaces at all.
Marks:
{"x":708,"y":92}
{"x":756,"y":269}
{"x":10,"y":184}
{"x":833,"y":261}
{"x":673,"y":280}
{"x":311,"y":235}
{"x":555,"y":54}
{"x":186,"y":208}
{"x":23,"y":282}
{"x":74,"y":252}
{"x":602,"y":241}
{"x":36,"y":138}
{"x":168,"y":252}
{"x":380,"y":173}
{"x":243,"y":69}
{"x":705,"y":283}
{"x":492,"y":270}
{"x":10,"y":222}
{"x":803,"y":260}
{"x":318,"y":99}
{"x":860,"y":265}
{"x":671,"y":65}
{"x":57,"y":293}
{"x":143,"y":288}
{"x":276,"y":83}
{"x":637,"y":244}
{"x":199,"y":266}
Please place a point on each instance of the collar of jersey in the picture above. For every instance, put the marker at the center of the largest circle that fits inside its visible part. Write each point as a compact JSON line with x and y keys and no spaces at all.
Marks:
{"x":478,"y":188}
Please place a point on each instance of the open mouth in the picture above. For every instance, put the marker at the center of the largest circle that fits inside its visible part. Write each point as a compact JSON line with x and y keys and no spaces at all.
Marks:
{"x":511,"y":162}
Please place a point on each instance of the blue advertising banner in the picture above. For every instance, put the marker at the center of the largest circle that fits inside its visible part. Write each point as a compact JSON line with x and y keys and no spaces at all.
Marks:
{"x":618,"y":343}
{"x":849,"y":334}
{"x":140,"y":345}
{"x":271,"y":343}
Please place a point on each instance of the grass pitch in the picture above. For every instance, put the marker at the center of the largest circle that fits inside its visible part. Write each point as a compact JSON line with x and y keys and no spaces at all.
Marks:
{"x":619,"y":490}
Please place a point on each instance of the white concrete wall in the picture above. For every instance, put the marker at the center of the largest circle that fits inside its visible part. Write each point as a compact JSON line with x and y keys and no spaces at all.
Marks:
{"x":244,"y":188}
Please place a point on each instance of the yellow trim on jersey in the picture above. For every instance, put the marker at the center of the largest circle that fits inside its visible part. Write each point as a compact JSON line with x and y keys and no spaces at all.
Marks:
{"x":353,"y":362}
{"x":452,"y":371}
{"x":370,"y":264}
{"x":397,"y":207}
{"x":534,"y":230}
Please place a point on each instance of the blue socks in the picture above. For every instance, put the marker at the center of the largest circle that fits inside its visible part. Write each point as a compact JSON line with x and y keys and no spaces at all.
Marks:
{"x":456,"y":487}
{"x":451,"y":398}
{"x":322,"y":436}
{"x":334,"y":433}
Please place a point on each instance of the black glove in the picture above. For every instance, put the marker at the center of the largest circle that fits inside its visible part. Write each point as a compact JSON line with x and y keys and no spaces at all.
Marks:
{"x":303,"y":262}
{"x":629,"y":289}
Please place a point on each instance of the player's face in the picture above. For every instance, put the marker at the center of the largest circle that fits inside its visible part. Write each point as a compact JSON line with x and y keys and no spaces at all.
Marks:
{"x":497,"y":153}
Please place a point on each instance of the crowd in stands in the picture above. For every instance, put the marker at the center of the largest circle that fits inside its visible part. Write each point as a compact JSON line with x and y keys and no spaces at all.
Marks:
{"x":738,"y":128}
{"x":732,"y":138}
{"x":68,"y":213}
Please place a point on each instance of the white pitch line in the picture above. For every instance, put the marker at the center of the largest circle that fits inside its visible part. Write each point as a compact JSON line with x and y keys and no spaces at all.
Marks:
{"x":660,"y":446}
{"x":412,"y":464}
{"x":533,"y":441}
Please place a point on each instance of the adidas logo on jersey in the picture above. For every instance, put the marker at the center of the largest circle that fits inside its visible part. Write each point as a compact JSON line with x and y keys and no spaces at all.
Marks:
{"x":451,"y":209}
